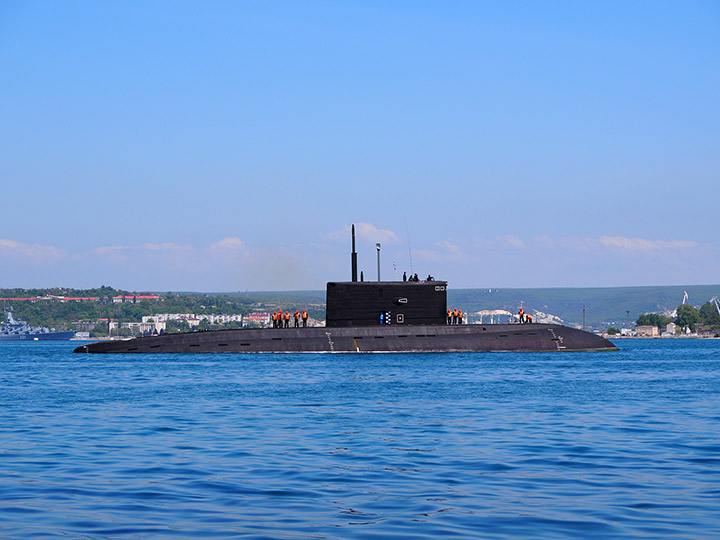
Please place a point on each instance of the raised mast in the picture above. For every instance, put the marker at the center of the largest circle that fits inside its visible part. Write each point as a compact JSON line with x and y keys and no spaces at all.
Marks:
{"x":353,"y":256}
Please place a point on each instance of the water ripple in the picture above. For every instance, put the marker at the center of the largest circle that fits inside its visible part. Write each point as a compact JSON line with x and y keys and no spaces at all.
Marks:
{"x":494,"y":446}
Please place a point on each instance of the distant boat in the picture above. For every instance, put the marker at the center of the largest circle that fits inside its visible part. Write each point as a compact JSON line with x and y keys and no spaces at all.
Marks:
{"x":15,"y":330}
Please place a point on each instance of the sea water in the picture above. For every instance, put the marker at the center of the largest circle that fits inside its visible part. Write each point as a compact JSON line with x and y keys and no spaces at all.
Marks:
{"x":499,"y":445}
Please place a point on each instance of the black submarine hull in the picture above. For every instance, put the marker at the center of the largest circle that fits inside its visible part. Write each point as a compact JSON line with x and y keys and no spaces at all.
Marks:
{"x":365,"y":339}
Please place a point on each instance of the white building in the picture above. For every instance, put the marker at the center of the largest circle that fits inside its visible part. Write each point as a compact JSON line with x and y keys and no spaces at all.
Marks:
{"x":647,"y":331}
{"x":192,"y":319}
{"x":261,"y":319}
{"x":139,"y":327}
{"x":669,"y":330}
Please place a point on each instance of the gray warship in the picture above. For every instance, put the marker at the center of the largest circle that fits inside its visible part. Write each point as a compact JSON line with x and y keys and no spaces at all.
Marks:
{"x":16,"y":330}
{"x":371,"y":317}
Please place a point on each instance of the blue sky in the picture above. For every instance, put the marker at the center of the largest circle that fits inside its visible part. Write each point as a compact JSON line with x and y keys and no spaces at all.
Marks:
{"x":221,"y":146}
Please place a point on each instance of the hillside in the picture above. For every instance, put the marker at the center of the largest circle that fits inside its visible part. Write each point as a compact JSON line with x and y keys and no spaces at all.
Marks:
{"x":604,"y":306}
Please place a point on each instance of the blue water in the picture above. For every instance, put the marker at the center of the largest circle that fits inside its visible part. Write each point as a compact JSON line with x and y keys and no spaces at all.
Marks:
{"x":500,"y":446}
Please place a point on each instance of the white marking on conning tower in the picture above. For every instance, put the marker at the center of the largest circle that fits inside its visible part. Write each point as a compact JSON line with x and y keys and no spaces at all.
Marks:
{"x":330,"y":341}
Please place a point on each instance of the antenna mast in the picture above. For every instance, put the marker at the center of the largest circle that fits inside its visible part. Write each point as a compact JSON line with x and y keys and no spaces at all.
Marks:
{"x":353,"y":257}
{"x":378,"y":250}
{"x":407,"y":232}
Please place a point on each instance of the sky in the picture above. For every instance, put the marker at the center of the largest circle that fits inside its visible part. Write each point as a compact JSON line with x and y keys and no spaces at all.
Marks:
{"x":229,"y":145}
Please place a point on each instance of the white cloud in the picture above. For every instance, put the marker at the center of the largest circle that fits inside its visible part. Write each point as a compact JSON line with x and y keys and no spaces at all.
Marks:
{"x":119,"y":254}
{"x":447,"y":251}
{"x":104,"y":250}
{"x":577,"y":243}
{"x":640,"y":244}
{"x":227,"y":245}
{"x":513,"y":241}
{"x":366,"y":232}
{"x":167,"y":246}
{"x":147,"y":247}
{"x":454,"y":249}
{"x":230,"y":264}
{"x":39,"y":252}
{"x":544,"y":241}
{"x":428,"y":256}
{"x":35,"y":252}
{"x":616,"y":243}
{"x":218,"y":265}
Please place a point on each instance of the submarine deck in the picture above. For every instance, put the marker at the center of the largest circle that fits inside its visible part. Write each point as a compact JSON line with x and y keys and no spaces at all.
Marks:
{"x":405,"y":338}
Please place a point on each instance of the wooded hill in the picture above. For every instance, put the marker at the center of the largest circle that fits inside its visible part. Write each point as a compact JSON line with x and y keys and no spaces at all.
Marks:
{"x":604,"y":306}
{"x":53,"y":313}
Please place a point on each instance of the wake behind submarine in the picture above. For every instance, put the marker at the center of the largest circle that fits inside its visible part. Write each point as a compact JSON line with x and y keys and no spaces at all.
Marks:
{"x":381,"y":316}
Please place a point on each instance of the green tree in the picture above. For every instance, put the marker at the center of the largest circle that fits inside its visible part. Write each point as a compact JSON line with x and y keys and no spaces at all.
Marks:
{"x":613,"y":331}
{"x":205,"y":325}
{"x":653,"y":319}
{"x":709,"y":315}
{"x":687,"y":316}
{"x":101,"y":330}
{"x":174,"y":327}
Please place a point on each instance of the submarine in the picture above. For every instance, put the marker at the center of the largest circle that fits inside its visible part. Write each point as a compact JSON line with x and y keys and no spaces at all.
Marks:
{"x":371,"y":317}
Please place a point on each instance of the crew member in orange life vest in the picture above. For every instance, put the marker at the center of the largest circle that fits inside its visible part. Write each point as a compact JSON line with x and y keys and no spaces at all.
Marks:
{"x":297,"y":318}
{"x":304,"y":318}
{"x":460,"y":316}
{"x":455,"y":316}
{"x":449,"y":316}
{"x":287,"y":319}
{"x":521,"y":315}
{"x":274,"y":319}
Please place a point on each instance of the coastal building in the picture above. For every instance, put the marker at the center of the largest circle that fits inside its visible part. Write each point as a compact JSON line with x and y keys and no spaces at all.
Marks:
{"x":222,"y":319}
{"x":193,"y":320}
{"x":156,"y":326}
{"x":137,"y":328}
{"x":647,"y":331}
{"x":87,"y":326}
{"x":259,"y":319}
{"x":134,"y":298}
{"x":669,"y":330}
{"x":162,"y":319}
{"x":145,"y":327}
{"x":54,"y":298}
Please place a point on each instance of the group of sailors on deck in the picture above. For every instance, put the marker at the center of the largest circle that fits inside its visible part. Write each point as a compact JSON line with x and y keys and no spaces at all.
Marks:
{"x":415,"y":277}
{"x":523,"y":317}
{"x":282,"y":320}
{"x":455,"y":316}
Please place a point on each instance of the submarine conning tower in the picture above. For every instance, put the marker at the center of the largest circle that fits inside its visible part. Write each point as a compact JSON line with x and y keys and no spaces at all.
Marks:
{"x":375,"y":303}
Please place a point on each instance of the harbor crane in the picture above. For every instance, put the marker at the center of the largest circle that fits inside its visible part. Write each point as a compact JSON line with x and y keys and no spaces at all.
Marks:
{"x":673,"y":313}
{"x":714,"y":300}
